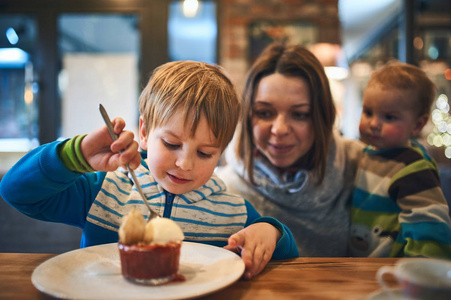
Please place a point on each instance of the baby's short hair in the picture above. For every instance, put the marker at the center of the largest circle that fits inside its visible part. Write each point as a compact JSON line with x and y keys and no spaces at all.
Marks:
{"x":196,"y":88}
{"x":409,"y":78}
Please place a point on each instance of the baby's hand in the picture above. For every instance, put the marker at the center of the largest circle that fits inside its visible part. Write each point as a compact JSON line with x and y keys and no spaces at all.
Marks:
{"x":256,"y":244}
{"x":104,"y":154}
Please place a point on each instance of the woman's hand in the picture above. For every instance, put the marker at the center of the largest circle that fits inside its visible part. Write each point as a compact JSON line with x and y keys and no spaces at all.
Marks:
{"x":104,"y":154}
{"x":256,"y":244}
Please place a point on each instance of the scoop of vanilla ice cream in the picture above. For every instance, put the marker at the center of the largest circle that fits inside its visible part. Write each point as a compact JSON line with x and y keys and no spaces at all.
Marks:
{"x":132,"y":228}
{"x":148,"y":233}
{"x":163,"y":231}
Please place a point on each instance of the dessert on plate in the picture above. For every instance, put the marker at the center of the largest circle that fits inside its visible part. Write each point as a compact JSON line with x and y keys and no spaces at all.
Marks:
{"x":149,"y":251}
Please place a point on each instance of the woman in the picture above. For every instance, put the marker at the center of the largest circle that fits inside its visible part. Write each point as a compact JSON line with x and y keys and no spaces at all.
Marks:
{"x":288,"y":161}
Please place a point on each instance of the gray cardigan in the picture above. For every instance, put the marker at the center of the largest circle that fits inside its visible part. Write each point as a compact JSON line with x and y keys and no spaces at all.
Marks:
{"x":318,"y":216}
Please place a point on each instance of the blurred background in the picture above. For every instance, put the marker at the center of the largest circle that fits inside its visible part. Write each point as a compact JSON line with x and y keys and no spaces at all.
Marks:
{"x":60,"y":58}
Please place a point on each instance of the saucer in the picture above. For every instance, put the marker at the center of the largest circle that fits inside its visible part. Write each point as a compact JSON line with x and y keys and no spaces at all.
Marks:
{"x":392,"y":294}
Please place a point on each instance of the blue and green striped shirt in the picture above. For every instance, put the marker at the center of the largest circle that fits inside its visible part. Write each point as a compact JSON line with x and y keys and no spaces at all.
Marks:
{"x":398,"y":207}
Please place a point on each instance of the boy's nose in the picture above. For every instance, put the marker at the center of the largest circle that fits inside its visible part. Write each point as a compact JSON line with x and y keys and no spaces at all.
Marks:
{"x":375,"y":123}
{"x":280,"y":126}
{"x":184,"y":162}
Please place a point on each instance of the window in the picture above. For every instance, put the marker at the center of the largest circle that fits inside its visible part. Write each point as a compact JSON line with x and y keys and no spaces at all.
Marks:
{"x":99,"y":64}
{"x":19,"y":89}
{"x":192,"y":30}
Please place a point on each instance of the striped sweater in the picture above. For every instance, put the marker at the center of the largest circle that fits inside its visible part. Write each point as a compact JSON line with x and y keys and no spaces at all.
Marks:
{"x":41,"y":186}
{"x":205,"y":214}
{"x":398,"y":208}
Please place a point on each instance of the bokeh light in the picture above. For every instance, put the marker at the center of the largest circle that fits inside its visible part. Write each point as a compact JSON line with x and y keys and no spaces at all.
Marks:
{"x":448,"y":152}
{"x":441,"y":133}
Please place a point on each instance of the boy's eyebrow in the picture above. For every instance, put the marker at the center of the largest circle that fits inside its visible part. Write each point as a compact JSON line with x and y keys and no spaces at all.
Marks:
{"x":170,"y":132}
{"x":210,"y":145}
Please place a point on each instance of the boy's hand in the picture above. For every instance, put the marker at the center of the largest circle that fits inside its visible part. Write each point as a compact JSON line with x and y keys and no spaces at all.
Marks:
{"x":256,"y":244}
{"x":103,"y":154}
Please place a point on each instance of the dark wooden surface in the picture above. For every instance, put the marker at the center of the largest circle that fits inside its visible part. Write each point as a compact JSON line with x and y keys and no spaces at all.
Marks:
{"x":301,"y":278}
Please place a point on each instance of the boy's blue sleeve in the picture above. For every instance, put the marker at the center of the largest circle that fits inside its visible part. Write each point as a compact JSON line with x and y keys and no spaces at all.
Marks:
{"x":286,"y":246}
{"x":42,"y":187}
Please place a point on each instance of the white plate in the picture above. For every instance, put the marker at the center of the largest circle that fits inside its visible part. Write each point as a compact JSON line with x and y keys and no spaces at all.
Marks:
{"x":95,"y":273}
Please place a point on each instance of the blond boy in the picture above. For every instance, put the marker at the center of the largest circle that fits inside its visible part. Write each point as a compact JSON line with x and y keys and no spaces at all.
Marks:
{"x":189,"y":111}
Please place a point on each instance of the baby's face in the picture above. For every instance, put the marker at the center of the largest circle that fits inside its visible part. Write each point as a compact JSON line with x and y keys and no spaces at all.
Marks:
{"x":178,"y":161}
{"x":388,"y":118}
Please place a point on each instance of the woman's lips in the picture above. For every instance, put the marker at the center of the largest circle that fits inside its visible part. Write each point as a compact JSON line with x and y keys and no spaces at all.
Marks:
{"x":177,"y":180}
{"x":281,"y":149}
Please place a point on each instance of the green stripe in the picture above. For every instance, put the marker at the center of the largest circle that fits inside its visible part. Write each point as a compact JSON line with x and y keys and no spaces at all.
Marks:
{"x":81,"y":159}
{"x":414,"y":248}
{"x":389,"y":221}
{"x":414,"y":168}
{"x":72,"y":157}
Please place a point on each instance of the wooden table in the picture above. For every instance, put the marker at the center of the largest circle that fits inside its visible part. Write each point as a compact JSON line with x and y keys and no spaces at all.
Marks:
{"x":301,"y":278}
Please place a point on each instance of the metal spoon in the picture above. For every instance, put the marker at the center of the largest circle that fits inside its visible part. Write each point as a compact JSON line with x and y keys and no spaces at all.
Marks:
{"x":109,"y":125}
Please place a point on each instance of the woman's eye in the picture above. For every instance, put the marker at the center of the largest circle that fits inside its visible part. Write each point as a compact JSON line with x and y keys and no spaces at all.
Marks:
{"x":263,"y":114}
{"x":301,"y":115}
{"x":170,"y":146}
{"x":204,"y":155}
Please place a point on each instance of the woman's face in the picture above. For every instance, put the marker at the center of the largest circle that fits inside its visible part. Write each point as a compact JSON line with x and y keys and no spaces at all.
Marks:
{"x":281,"y":119}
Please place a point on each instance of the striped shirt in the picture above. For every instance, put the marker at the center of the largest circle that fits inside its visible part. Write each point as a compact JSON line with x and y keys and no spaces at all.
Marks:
{"x":207,"y":213}
{"x":398,"y":207}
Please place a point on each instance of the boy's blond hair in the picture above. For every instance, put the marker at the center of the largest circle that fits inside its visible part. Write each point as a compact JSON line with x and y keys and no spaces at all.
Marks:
{"x":195,"y":88}
{"x":409,"y":78}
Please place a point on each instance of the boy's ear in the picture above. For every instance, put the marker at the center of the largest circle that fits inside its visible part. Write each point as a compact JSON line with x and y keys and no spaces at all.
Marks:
{"x":421,"y":121}
{"x":142,"y":134}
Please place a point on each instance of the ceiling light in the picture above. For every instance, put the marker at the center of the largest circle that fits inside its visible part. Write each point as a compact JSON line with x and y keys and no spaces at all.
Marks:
{"x":13,"y":57}
{"x":12,"y":36}
{"x":190,"y":8}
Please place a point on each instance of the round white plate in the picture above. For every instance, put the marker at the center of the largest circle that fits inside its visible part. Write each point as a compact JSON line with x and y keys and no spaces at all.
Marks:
{"x":95,"y":273}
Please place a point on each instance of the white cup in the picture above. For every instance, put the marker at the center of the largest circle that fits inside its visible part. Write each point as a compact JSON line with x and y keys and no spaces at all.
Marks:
{"x":419,"y":278}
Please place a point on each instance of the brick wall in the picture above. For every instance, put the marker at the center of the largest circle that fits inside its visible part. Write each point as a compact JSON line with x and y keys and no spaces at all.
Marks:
{"x":236,"y":17}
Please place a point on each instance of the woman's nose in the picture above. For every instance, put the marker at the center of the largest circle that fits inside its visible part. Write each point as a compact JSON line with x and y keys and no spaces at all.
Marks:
{"x":280,"y":126}
{"x":185,"y":162}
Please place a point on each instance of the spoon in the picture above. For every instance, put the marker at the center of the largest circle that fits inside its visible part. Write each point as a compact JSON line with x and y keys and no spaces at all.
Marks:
{"x":109,"y":125}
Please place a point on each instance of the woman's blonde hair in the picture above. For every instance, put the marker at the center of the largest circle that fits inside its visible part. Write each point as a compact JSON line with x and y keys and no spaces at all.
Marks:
{"x":291,"y":61}
{"x":195,"y":88}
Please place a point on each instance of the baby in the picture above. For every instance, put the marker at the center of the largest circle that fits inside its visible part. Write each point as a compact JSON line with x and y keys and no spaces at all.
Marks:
{"x":398,"y":207}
